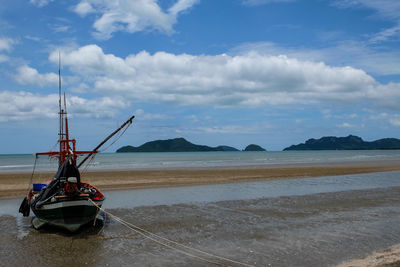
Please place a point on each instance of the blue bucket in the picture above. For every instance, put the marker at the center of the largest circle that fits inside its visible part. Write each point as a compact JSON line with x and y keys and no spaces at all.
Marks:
{"x":38,"y":187}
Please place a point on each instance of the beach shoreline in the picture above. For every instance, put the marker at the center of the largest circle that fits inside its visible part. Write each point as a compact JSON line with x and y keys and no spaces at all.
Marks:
{"x":14,"y":185}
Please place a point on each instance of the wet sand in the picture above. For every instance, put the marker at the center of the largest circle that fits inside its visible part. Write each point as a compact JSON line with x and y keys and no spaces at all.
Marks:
{"x":323,"y":229}
{"x":16,"y":184}
{"x":389,"y":257}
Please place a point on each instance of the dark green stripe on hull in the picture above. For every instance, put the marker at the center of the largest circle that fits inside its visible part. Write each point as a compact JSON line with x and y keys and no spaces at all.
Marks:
{"x":65,"y":215}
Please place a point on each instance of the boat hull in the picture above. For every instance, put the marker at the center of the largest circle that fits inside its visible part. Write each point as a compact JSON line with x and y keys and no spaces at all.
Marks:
{"x":68,"y":214}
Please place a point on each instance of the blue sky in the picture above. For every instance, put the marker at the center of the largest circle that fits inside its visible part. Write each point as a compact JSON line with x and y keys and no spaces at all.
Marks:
{"x":217,"y":72}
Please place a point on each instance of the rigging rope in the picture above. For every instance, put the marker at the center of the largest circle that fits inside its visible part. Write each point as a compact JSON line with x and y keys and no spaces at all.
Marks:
{"x":99,"y":151}
{"x":88,"y":164}
{"x":117,"y":138}
{"x":153,"y":237}
{"x":33,"y":173}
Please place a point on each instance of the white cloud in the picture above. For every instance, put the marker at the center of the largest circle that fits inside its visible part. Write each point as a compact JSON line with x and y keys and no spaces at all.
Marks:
{"x":131,"y":16}
{"x":388,"y":9}
{"x":84,"y":8}
{"x":380,"y":116}
{"x":328,"y":114}
{"x":395,"y":121}
{"x":385,"y":34}
{"x":141,"y":115}
{"x":40,"y":3}
{"x":3,"y":58}
{"x":181,"y":6}
{"x":16,"y":106}
{"x":346,"y":125}
{"x":25,"y":106}
{"x":248,"y":80}
{"x":386,"y":95}
{"x":353,"y":116}
{"x":91,"y":60}
{"x":79,"y":88}
{"x":29,"y":75}
{"x":229,"y":129}
{"x":60,"y":28}
{"x":32,"y":38}
{"x":98,"y":108}
{"x":385,"y":9}
{"x":251,"y":128}
{"x":376,"y":61}
{"x":262,"y":2}
{"x":6,"y":44}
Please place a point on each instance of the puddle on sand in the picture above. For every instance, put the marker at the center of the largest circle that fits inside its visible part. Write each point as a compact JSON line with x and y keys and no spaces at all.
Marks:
{"x":23,"y":226}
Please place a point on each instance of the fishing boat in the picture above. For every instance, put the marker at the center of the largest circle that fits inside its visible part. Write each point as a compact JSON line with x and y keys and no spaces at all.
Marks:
{"x":64,"y":200}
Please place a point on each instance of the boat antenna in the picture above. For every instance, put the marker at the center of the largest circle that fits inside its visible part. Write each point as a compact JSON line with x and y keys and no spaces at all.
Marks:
{"x":66,"y":126}
{"x":59,"y":80}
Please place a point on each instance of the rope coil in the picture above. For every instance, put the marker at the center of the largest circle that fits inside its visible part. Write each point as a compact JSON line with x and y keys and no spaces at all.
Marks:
{"x":155,"y":237}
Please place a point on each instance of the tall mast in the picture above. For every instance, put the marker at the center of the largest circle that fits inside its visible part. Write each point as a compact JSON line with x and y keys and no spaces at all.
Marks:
{"x":66,"y":126}
{"x":59,"y":80}
{"x":61,"y":134}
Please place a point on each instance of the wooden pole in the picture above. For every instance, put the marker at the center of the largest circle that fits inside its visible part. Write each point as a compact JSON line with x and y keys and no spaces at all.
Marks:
{"x":95,"y":150}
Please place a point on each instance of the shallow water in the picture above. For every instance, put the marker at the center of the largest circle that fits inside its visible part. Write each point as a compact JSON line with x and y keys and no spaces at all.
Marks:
{"x":249,"y":190}
{"x":298,"y":222}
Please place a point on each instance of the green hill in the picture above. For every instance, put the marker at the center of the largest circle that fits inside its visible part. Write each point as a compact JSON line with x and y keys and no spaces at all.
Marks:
{"x":173,"y":145}
{"x":254,"y":147}
{"x":350,"y":142}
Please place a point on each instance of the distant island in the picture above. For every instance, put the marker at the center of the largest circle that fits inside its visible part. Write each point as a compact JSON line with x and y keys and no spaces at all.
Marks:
{"x":254,"y":147}
{"x":350,"y":142}
{"x":173,"y":145}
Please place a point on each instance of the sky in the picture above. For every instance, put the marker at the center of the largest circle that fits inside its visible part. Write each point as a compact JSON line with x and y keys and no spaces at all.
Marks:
{"x":216,"y":72}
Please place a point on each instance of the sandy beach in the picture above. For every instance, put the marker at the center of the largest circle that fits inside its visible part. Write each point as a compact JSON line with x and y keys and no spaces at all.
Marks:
{"x":15,"y":184}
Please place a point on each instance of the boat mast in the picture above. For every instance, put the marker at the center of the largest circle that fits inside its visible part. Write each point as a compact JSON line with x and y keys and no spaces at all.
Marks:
{"x":61,"y":112}
{"x":68,"y":150}
{"x":63,"y":135}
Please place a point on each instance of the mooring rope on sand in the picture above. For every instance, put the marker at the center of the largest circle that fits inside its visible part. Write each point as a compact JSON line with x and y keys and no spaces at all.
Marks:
{"x":154,"y":237}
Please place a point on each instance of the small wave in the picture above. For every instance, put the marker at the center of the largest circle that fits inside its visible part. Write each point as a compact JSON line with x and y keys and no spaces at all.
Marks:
{"x":358,"y":157}
{"x":15,"y":166}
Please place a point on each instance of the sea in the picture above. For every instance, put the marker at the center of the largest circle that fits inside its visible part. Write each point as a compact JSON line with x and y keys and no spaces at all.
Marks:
{"x":20,"y":163}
